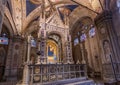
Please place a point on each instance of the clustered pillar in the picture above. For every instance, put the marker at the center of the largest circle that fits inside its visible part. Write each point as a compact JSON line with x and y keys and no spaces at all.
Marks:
{"x":110,"y":48}
{"x":26,"y":74}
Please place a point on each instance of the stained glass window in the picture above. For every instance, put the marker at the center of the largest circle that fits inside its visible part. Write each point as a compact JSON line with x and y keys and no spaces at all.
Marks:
{"x":76,"y":41}
{"x":33,"y":43}
{"x":4,"y":40}
{"x":92,"y":32}
{"x":118,"y":5}
{"x":83,"y":37}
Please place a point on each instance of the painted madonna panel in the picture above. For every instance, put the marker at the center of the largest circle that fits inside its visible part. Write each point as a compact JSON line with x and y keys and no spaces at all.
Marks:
{"x":52,"y":52}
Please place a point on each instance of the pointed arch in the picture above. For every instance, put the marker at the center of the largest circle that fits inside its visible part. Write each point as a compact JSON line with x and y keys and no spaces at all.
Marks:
{"x":9,"y":22}
{"x":79,"y":13}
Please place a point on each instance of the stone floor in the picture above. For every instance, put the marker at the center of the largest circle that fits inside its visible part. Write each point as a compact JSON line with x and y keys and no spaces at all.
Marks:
{"x":98,"y":82}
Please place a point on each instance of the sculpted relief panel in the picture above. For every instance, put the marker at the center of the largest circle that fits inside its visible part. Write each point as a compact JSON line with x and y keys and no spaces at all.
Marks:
{"x":56,"y":28}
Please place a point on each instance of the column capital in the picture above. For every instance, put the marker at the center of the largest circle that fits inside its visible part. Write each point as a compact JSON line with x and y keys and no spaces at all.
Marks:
{"x":18,"y":38}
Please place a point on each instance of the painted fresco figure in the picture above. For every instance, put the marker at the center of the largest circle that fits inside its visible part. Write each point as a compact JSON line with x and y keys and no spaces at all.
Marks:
{"x":106,"y":47}
{"x":65,"y":15}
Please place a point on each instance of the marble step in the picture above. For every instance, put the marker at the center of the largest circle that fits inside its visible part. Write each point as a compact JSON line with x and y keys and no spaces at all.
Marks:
{"x":75,"y":81}
{"x":87,"y":82}
{"x":65,"y":81}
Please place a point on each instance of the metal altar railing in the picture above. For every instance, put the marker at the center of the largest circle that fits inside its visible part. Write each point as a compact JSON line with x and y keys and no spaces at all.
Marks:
{"x":45,"y":73}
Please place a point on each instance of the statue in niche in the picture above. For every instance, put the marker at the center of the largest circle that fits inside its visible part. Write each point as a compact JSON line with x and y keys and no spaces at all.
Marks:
{"x":107,"y":52}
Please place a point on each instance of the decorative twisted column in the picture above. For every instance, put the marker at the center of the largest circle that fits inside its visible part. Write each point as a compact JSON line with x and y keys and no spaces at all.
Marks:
{"x":42,"y":43}
{"x":38,"y":45}
{"x":42,"y":36}
{"x":69,"y":58}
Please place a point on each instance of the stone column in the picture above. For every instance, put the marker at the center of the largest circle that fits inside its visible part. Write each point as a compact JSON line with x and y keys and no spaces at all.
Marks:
{"x":109,"y":43}
{"x":26,"y":73}
{"x":63,"y":51}
{"x":90,"y":60}
{"x":26,"y":77}
{"x":29,"y":48}
{"x":38,"y":53}
{"x":82,"y":46}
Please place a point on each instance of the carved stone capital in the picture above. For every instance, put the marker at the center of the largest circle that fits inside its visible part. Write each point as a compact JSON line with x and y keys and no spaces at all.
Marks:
{"x":18,"y":38}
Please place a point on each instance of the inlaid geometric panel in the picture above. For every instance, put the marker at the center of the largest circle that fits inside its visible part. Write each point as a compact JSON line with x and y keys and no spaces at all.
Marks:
{"x":72,"y":75}
{"x":66,"y":68}
{"x":52,"y":77}
{"x":66,"y":75}
{"x":44,"y":70}
{"x":72,"y":68}
{"x":36,"y":78}
{"x":78,"y":74}
{"x":37,"y":70}
{"x":60,"y":76}
{"x":45,"y":78}
{"x":77,"y":68}
{"x":82,"y":67}
{"x":60,"y":68}
{"x":82,"y":74}
{"x":52,"y":69}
